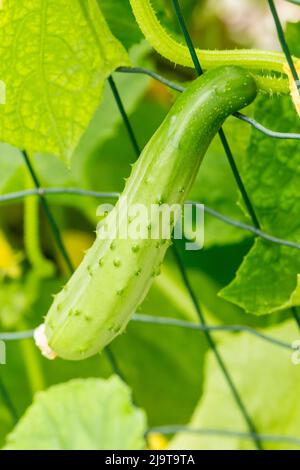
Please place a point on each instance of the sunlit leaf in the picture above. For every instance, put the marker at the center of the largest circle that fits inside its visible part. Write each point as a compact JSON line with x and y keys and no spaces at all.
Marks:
{"x":267,"y":279}
{"x":55,"y":56}
{"x":82,"y":414}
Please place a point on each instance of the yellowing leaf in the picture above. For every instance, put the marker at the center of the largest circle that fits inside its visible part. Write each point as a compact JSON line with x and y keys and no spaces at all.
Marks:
{"x":157,"y":441}
{"x":9,"y":260}
{"x":54,"y":58}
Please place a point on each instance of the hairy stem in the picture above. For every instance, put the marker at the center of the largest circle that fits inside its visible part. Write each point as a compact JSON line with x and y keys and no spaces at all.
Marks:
{"x":268,"y":62}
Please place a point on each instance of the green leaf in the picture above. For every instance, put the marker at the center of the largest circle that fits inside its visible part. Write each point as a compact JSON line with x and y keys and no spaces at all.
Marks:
{"x":268,"y":383}
{"x":267,"y":280}
{"x":292,"y":36}
{"x":216,"y":187}
{"x":55,"y":57}
{"x":297,"y":2}
{"x":121,"y":21}
{"x":82,"y":414}
{"x":90,"y":151}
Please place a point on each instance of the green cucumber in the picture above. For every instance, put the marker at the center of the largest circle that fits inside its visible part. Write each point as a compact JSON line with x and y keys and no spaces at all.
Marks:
{"x":115,"y":276}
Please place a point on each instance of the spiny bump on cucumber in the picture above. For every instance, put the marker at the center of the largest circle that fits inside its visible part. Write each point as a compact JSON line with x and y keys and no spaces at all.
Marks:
{"x":135,"y":248}
{"x":117,"y":262}
{"x":164,"y":173}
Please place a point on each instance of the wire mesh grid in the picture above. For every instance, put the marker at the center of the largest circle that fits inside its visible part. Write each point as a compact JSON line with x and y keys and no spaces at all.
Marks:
{"x":253,"y":433}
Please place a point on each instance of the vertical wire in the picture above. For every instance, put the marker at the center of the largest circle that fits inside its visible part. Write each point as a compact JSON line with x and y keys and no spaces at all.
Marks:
{"x":283,"y":43}
{"x":113,"y":362}
{"x":48,"y":213}
{"x":222,"y":135}
{"x":123,"y":113}
{"x":242,"y":188}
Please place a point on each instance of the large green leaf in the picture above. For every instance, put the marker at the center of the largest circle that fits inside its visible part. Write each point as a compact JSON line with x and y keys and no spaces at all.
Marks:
{"x":268,"y":383}
{"x":267,"y":279}
{"x":82,"y":414}
{"x":55,"y":57}
{"x":103,"y":127}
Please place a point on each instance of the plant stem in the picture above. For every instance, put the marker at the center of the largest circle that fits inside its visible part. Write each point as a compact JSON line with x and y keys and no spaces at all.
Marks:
{"x":40,"y":264}
{"x":252,"y":59}
{"x":7,"y":401}
{"x":48,"y":213}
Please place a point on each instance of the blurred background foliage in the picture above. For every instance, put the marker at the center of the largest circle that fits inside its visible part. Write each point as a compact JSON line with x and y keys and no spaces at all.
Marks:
{"x":164,"y":366}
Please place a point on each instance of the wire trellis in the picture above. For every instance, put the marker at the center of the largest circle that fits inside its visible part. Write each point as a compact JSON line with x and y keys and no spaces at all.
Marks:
{"x":252,"y":434}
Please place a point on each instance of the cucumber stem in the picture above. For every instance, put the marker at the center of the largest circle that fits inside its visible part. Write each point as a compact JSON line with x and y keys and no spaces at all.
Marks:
{"x":42,"y":266}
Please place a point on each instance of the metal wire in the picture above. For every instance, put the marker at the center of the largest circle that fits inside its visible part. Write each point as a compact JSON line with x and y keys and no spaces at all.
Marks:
{"x":9,"y":404}
{"x":16,"y":335}
{"x":222,"y":135}
{"x":48,"y":213}
{"x":173,"y":429}
{"x":174,"y":322}
{"x":213,"y":346}
{"x":12,"y":197}
{"x":174,"y":86}
{"x":165,"y":321}
{"x":283,"y":43}
{"x":57,"y":235}
{"x":209,"y":337}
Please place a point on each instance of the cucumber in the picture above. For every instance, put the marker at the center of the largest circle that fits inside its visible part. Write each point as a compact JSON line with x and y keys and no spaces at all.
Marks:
{"x":115,"y":275}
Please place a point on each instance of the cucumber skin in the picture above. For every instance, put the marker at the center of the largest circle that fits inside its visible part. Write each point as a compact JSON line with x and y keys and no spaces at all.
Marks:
{"x":114,"y":278}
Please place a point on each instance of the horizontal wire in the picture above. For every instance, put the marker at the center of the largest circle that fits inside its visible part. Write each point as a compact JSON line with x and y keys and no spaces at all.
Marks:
{"x":166,"y":321}
{"x":173,"y":429}
{"x":265,"y":130}
{"x":219,"y":328}
{"x":56,"y":191}
{"x":114,"y":195}
{"x":154,"y":75}
{"x":252,"y":122}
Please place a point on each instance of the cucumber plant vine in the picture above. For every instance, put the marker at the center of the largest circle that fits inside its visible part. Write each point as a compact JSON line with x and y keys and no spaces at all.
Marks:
{"x":269,"y":68}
